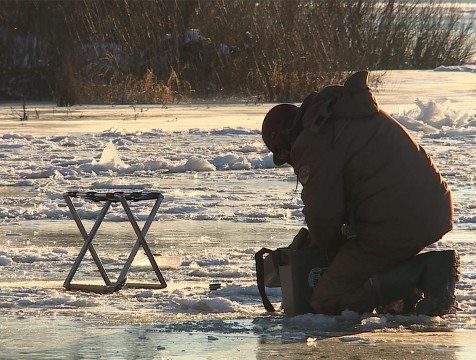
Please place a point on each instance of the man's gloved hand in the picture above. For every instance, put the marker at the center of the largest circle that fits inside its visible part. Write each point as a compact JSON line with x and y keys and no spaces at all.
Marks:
{"x":301,"y":240}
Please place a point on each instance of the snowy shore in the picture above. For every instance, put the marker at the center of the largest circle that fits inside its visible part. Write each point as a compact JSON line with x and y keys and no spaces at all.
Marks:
{"x":224,"y":199}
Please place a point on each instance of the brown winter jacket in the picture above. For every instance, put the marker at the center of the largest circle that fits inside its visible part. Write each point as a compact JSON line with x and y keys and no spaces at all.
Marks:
{"x":359,"y":167}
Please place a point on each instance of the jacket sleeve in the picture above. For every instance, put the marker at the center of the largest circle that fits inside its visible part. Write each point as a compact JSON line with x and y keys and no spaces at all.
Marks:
{"x":323,"y":197}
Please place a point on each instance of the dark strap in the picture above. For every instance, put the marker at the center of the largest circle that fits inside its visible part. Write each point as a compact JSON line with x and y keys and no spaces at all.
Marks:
{"x":260,"y":278}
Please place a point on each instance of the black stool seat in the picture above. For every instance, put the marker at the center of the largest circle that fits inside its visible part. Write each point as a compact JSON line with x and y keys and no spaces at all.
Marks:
{"x":114,"y":196}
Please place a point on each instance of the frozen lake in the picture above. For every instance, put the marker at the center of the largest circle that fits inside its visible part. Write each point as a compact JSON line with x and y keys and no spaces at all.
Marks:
{"x":224,"y":200}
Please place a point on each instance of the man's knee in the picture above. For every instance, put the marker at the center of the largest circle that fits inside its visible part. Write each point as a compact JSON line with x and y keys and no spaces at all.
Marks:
{"x":331,"y":297}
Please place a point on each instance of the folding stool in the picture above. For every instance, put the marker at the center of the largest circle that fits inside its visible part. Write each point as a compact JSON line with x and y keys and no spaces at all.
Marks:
{"x":109,"y":198}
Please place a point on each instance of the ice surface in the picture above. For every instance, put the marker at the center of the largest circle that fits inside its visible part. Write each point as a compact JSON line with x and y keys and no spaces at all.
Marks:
{"x":224,"y":199}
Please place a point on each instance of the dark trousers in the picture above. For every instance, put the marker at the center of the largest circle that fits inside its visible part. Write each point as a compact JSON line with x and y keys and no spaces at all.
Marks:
{"x":342,"y":285}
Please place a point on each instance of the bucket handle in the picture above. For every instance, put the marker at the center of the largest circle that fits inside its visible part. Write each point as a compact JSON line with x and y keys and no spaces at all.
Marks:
{"x":259,"y":259}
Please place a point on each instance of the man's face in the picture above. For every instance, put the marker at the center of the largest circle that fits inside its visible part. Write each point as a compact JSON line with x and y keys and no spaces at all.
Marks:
{"x":281,"y":149}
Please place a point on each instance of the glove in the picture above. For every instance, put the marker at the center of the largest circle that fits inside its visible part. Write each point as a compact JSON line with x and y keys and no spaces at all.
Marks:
{"x":301,"y":240}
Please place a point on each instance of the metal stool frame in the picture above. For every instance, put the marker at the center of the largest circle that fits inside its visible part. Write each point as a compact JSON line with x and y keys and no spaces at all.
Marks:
{"x":109,"y":198}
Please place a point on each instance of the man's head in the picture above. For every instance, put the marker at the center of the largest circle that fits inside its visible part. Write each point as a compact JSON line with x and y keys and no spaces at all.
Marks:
{"x":276,"y":122}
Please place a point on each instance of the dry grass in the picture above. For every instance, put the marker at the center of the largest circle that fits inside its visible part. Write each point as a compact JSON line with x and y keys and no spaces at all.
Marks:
{"x":119,"y":51}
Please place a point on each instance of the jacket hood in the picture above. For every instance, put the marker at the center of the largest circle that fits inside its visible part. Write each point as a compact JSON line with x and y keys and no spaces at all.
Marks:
{"x":354,"y":99}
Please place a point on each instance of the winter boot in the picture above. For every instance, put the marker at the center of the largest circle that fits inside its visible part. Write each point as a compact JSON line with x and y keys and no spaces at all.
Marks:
{"x":438,"y":282}
{"x":433,"y":274}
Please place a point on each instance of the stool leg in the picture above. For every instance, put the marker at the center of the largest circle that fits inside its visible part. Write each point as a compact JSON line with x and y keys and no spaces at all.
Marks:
{"x":141,"y":241}
{"x":87,"y":242}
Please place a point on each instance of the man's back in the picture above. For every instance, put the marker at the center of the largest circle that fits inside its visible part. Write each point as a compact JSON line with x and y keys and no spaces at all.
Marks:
{"x":394,"y":189}
{"x":364,"y":169}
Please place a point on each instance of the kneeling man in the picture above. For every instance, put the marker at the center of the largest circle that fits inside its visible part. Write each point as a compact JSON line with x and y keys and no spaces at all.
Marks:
{"x":361,"y":170}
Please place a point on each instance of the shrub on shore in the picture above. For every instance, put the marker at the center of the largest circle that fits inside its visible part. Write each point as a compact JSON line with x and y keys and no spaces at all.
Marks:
{"x":128,"y":51}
